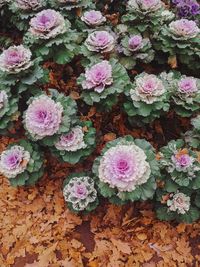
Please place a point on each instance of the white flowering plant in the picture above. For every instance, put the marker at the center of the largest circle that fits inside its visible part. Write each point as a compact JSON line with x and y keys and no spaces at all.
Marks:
{"x":49,"y":116}
{"x":8,"y":109}
{"x":126,"y":170}
{"x":102,"y":83}
{"x":24,"y":10}
{"x":180,"y":166}
{"x":18,"y":69}
{"x":180,"y":38}
{"x":177,"y":205}
{"x":22,"y":163}
{"x":145,"y":15}
{"x":80,"y":192}
{"x":50,"y":36}
{"x":185,"y":94}
{"x":148,"y":98}
{"x":76,"y":144}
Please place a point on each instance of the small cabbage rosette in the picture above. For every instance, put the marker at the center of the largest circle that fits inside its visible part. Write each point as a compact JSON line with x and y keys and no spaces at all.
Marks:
{"x":126,"y":170}
{"x":135,"y":48}
{"x":18,"y":68}
{"x":70,"y":5}
{"x":187,"y":8}
{"x":50,"y":36}
{"x":49,"y":116}
{"x":80,"y":193}
{"x":23,"y":10}
{"x":185,"y":95}
{"x":102,"y":83}
{"x":76,"y":144}
{"x":22,"y":163}
{"x":93,"y":18}
{"x":193,"y":137}
{"x":8,"y":109}
{"x":144,"y":14}
{"x":178,"y":205}
{"x":148,"y":98}
{"x":99,"y":43}
{"x":179,"y":165}
{"x":181,"y":38}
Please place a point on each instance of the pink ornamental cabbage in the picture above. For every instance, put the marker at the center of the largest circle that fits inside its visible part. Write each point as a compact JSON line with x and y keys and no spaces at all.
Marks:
{"x":124,"y":167}
{"x":100,"y":41}
{"x":15,"y":59}
{"x":43,"y":117}
{"x":47,"y":24}
{"x":29,"y":4}
{"x":80,"y":192}
{"x":14,"y":161}
{"x":182,"y":162}
{"x":135,"y":43}
{"x":184,"y":28}
{"x":93,"y":18}
{"x":72,"y":141}
{"x":148,"y":89}
{"x":187,"y":85}
{"x":98,"y":77}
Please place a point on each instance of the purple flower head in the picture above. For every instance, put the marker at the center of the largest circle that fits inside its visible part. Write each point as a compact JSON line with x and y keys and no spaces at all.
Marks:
{"x":124,"y":167}
{"x":182,"y":161}
{"x":15,"y":59}
{"x":184,"y":28}
{"x":100,"y":41}
{"x":80,"y":192}
{"x":98,"y":76}
{"x":29,"y":4}
{"x":135,"y":43}
{"x":14,"y":161}
{"x":43,"y":117}
{"x":187,"y":85}
{"x":93,"y":18}
{"x":3,"y":100}
{"x":72,"y":141}
{"x":47,"y":24}
{"x":187,"y":8}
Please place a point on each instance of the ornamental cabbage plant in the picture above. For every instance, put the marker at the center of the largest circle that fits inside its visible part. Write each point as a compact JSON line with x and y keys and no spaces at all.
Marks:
{"x":17,"y":68}
{"x":76,"y":144}
{"x":185,"y":94}
{"x":144,"y":15}
{"x":49,"y":116}
{"x":179,"y":206}
{"x":102,"y":82}
{"x":126,"y":170}
{"x":180,"y":166}
{"x":50,"y":36}
{"x":134,"y":47}
{"x":80,"y":193}
{"x":99,"y":43}
{"x":23,"y":10}
{"x":22,"y":163}
{"x":181,"y":38}
{"x":148,"y":98}
{"x":8,"y":109}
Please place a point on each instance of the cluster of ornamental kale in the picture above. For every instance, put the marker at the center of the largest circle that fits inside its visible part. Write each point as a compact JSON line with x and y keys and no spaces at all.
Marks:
{"x":128,"y":170}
